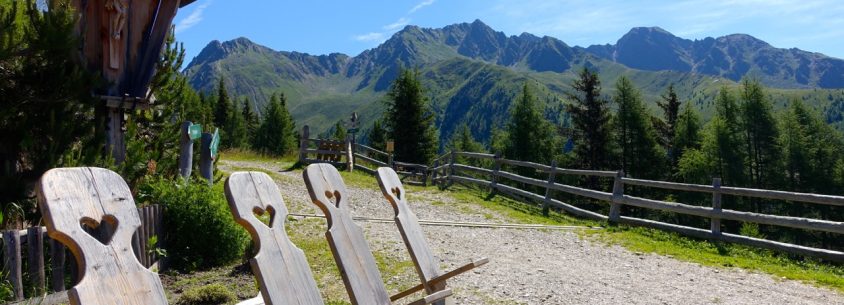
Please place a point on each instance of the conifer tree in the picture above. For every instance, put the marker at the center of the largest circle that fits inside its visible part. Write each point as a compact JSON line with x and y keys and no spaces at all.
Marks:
{"x":339,"y":132}
{"x":530,"y":137}
{"x":810,"y":147}
{"x":223,"y":105}
{"x":640,"y":154}
{"x":410,"y":122}
{"x":276,"y":134}
{"x":670,"y":105}
{"x":760,"y":135}
{"x":686,"y":133}
{"x":236,"y":134}
{"x":462,"y":140}
{"x":250,"y":118}
{"x":377,"y":136}
{"x":591,"y":120}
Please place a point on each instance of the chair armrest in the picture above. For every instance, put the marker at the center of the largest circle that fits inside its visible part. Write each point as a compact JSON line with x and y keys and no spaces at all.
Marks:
{"x":441,"y":278}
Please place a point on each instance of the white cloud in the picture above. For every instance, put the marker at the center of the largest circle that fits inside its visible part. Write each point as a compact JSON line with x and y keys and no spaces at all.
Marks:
{"x":193,"y":19}
{"x":403,"y":21}
{"x":420,"y":6}
{"x":374,"y":36}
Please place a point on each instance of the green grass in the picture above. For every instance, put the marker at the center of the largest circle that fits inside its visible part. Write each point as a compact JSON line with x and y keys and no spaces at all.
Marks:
{"x":287,"y":161}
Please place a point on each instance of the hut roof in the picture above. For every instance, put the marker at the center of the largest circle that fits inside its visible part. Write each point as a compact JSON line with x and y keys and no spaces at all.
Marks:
{"x":185,"y":3}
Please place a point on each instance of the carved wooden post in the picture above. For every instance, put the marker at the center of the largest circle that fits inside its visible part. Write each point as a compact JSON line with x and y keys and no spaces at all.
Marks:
{"x":546,"y":205}
{"x":12,"y":260}
{"x":206,"y":164}
{"x":303,"y":144}
{"x":617,"y":197}
{"x":493,"y":187}
{"x":350,"y":155}
{"x":715,"y":223}
{"x":185,"y":151}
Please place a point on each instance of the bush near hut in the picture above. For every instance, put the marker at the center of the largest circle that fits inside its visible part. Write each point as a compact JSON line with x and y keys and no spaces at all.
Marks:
{"x":201,"y":231}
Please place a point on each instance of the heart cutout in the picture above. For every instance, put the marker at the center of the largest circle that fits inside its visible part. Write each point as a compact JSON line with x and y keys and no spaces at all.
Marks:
{"x":396,"y":192}
{"x":333,"y":196}
{"x":266,"y":216}
{"x":102,"y":230}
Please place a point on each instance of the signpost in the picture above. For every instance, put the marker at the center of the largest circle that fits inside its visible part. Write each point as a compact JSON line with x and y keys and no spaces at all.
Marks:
{"x":195,"y":131}
{"x":215,"y":143}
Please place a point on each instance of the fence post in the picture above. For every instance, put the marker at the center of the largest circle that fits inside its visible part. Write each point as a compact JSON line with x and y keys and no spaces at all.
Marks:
{"x":12,"y":260}
{"x":546,"y":205}
{"x":714,"y":222}
{"x":303,"y":144}
{"x":617,"y":197}
{"x":350,"y":154}
{"x":451,"y":169}
{"x":57,"y":253}
{"x":434,"y":172}
{"x":185,"y":151}
{"x":206,"y":164}
{"x":493,"y":186}
{"x":35,"y":258}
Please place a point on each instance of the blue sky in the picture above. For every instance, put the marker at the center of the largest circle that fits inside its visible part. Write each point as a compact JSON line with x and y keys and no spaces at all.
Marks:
{"x":325,"y":26}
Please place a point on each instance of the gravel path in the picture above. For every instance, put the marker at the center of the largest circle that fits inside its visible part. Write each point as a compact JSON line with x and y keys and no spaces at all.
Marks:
{"x":553,"y":267}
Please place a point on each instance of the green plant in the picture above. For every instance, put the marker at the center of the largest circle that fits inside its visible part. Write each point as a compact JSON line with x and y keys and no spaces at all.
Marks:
{"x":201,"y":231}
{"x":212,"y":294}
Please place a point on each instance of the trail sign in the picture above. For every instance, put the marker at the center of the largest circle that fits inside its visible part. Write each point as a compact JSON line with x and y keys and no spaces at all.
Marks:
{"x":195,"y":131}
{"x":390,"y":146}
{"x":215,"y":143}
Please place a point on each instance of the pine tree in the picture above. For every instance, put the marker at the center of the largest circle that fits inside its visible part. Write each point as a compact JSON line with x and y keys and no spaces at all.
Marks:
{"x":640,"y":154}
{"x":760,"y":135}
{"x":530,"y":137}
{"x":462,"y":140}
{"x":223,"y":106}
{"x":250,"y":119}
{"x":410,"y":122}
{"x":591,"y":120}
{"x":276,"y":134}
{"x":670,"y":105}
{"x":686,"y":133}
{"x":339,"y":132}
{"x":377,"y":136}
{"x":236,"y":134}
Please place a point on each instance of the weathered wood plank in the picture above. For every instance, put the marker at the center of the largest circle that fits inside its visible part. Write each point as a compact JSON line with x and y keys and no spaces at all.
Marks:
{"x":95,"y":196}
{"x":474,"y":155}
{"x":35,"y":259}
{"x":57,"y":264}
{"x":282,"y":271}
{"x":12,"y":261}
{"x":370,"y":160}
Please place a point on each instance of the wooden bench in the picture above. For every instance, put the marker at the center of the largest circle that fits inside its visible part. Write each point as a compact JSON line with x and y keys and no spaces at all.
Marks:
{"x":351,"y":252}
{"x":427,"y":265}
{"x":281,"y":268}
{"x":109,"y":272}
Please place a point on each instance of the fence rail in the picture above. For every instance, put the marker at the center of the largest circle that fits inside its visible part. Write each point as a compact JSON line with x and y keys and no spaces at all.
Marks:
{"x":450,"y":172}
{"x":29,"y":249}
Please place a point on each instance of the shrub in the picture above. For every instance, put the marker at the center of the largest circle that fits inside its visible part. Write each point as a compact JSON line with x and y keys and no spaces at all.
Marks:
{"x":213,"y":294}
{"x":201,"y":232}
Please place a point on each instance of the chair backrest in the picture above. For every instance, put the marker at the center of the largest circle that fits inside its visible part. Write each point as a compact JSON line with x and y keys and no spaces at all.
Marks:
{"x":427,"y":265}
{"x":109,"y":271}
{"x":281,"y":268}
{"x":351,"y":252}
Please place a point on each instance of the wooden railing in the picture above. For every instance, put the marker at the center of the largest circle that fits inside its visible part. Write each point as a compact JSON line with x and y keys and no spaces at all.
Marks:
{"x":445,"y":172}
{"x":28,"y":250}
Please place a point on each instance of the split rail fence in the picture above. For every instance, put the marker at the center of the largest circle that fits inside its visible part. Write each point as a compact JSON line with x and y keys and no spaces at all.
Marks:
{"x":30,"y":251}
{"x":446,"y":170}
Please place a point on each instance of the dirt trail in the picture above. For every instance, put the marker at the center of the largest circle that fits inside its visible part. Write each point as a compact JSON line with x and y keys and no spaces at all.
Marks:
{"x":553,"y":267}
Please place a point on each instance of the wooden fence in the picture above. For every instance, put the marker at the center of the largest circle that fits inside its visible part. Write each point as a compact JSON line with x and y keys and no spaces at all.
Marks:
{"x":446,"y":170}
{"x":27,"y":253}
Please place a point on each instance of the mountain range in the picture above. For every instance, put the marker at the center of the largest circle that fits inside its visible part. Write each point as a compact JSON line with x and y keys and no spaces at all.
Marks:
{"x":471,"y":72}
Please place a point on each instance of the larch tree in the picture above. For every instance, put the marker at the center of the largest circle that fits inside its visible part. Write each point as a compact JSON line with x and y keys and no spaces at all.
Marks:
{"x":530,"y":137}
{"x":276,"y":134}
{"x":670,"y":105}
{"x":640,"y":155}
{"x":591,"y":121}
{"x":761,"y":133}
{"x":409,"y":120}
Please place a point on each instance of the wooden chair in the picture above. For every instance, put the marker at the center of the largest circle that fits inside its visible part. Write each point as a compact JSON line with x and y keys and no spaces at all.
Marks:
{"x":109,"y":273}
{"x":427,"y":266}
{"x":281,"y":268}
{"x":351,"y":252}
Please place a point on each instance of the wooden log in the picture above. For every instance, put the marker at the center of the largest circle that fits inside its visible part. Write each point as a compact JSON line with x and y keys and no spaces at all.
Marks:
{"x":475,"y":155}
{"x":581,"y":172}
{"x":372,"y":150}
{"x":206,"y":163}
{"x":783,"y":195}
{"x":546,"y":204}
{"x":785,"y":221}
{"x":57,"y":264}
{"x":714,"y":222}
{"x":617,"y":195}
{"x":35,"y":259}
{"x":326,"y":152}
{"x":469,"y":180}
{"x":473,"y":169}
{"x":350,"y":154}
{"x":366,"y":169}
{"x":533,"y":165}
{"x":12,"y":261}
{"x":603,"y":196}
{"x":185,"y":151}
{"x":495,"y":171}
{"x":669,"y":185}
{"x":370,"y":160}
{"x":142,"y":235}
